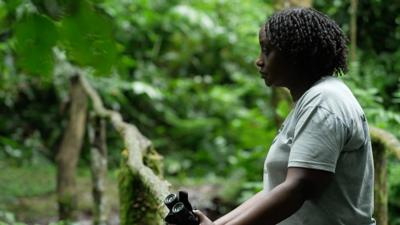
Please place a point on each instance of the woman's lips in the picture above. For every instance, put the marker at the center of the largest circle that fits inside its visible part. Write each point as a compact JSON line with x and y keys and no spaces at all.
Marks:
{"x":263,"y":75}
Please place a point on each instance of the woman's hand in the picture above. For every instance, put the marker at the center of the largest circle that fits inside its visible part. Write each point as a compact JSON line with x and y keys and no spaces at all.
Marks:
{"x":203,"y":218}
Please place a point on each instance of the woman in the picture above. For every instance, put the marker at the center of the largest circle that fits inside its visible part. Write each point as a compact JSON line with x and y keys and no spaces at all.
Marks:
{"x":319,"y":168}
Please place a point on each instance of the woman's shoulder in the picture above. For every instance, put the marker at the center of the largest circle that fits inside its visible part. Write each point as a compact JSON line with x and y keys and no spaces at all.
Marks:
{"x":333,"y":95}
{"x":328,"y":89}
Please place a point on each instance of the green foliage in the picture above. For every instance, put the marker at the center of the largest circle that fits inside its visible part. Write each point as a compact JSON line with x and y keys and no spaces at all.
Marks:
{"x":83,"y":32}
{"x":95,"y":46}
{"x":204,"y":93}
{"x":35,"y":36}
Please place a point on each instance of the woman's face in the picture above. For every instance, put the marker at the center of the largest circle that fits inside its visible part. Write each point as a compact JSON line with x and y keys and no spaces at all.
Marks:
{"x":273,"y":66}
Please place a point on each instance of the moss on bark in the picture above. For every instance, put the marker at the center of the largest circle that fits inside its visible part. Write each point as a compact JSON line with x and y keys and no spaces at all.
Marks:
{"x":138,"y":206}
{"x":380,"y":187}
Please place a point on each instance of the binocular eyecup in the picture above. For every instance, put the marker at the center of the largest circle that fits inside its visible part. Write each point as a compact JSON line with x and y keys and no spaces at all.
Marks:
{"x":180,"y":210}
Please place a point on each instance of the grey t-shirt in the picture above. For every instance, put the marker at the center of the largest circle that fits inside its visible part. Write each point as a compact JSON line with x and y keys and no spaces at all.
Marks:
{"x":327,"y":130}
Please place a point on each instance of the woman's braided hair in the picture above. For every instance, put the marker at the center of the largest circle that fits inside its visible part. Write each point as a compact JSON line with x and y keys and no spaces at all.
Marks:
{"x":311,"y":40}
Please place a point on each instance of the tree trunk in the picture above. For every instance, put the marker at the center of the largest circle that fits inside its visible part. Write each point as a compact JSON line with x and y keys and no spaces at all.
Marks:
{"x":353,"y":30}
{"x":68,"y":154}
{"x":98,"y":151}
{"x":380,"y":186}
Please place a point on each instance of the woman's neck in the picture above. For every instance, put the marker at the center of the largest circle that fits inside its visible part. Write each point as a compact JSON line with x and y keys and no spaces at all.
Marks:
{"x":297,"y":90}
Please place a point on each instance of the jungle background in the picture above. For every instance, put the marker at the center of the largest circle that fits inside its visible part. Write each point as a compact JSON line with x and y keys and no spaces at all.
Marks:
{"x":183,"y":73}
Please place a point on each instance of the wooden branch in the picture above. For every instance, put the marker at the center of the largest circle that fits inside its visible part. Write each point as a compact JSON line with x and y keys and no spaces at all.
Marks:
{"x":388,"y":140}
{"x":136,"y":144}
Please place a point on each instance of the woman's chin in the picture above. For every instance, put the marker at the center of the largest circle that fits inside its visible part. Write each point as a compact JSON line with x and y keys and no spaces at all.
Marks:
{"x":268,"y":82}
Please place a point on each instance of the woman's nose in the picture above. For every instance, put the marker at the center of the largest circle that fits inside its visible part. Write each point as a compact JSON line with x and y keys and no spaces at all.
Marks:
{"x":259,"y":62}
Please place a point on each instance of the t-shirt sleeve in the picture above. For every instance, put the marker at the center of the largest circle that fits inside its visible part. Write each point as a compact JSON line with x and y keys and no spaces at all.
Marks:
{"x":318,"y":139}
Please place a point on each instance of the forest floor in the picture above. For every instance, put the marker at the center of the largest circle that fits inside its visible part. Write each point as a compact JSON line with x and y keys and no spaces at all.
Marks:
{"x":28,"y":195}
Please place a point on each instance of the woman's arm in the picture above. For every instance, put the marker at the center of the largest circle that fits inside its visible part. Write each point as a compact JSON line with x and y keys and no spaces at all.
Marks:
{"x":300,"y":185}
{"x":239,"y":210}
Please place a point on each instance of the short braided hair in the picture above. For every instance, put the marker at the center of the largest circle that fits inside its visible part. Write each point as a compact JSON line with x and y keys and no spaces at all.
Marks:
{"x":313,"y":41}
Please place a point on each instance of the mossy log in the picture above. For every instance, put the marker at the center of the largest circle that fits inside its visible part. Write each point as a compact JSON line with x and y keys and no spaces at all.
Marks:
{"x":138,"y":204}
{"x":142,"y":190}
{"x":383,"y":143}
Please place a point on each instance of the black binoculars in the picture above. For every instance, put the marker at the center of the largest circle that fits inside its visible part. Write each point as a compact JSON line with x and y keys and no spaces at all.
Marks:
{"x":180,"y":210}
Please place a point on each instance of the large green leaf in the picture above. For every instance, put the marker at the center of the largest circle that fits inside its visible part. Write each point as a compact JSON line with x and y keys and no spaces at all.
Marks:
{"x":87,"y":36}
{"x":35,"y":37}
